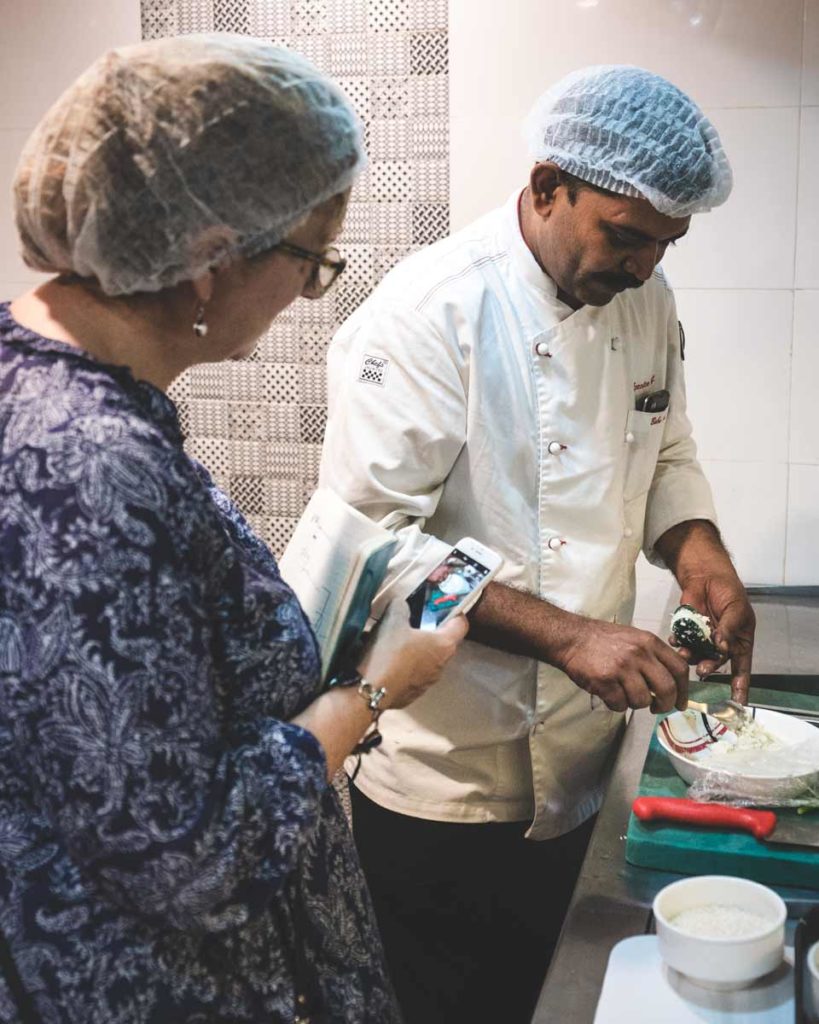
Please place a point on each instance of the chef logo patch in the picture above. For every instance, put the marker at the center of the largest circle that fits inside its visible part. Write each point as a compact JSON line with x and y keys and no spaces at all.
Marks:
{"x":374,"y":370}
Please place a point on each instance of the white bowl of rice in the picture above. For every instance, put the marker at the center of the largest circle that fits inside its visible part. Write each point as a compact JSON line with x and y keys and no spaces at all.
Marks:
{"x":776,"y":757}
{"x":720,"y":931}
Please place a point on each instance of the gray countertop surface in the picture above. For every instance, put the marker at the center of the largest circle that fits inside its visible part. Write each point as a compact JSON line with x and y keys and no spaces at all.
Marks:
{"x":612,"y":899}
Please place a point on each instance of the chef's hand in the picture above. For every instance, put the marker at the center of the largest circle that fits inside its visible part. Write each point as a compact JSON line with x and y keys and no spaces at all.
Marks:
{"x":625,"y":667}
{"x":723,"y":599}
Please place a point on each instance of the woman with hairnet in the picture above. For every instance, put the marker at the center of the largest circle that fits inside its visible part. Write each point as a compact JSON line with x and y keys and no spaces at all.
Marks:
{"x":170,"y":849}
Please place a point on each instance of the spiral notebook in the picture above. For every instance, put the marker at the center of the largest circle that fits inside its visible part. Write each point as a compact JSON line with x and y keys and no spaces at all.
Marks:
{"x":335,"y":562}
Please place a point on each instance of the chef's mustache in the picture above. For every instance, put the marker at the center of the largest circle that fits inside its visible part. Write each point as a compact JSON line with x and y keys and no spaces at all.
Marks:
{"x":619,"y":281}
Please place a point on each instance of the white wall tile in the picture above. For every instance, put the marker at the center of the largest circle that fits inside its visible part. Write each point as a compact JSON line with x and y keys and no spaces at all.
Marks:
{"x":802,"y":564}
{"x":45,"y":45}
{"x":751,"y":506}
{"x":12,"y":267}
{"x":11,"y":289}
{"x":654,"y":586}
{"x":737,"y":370}
{"x":725,"y":53}
{"x":804,"y":424}
{"x":807,"y":235}
{"x":748,"y":242}
{"x":487,"y":162}
{"x":810,"y":54}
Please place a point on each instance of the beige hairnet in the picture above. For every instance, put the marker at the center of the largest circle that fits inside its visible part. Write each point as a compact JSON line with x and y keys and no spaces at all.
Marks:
{"x":164,"y":157}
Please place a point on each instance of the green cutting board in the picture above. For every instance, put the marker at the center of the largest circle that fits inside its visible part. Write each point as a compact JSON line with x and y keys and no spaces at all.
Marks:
{"x":703,"y":851}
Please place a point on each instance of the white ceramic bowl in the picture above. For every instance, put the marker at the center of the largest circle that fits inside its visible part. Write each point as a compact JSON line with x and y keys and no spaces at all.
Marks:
{"x":686,"y":737}
{"x":720,"y":963}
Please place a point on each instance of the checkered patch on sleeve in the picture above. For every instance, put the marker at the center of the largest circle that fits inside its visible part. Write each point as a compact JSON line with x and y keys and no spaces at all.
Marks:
{"x":373,"y":370}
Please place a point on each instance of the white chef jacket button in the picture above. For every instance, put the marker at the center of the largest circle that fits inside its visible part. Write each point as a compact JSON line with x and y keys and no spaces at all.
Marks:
{"x":555,"y":447}
{"x":629,"y":438}
{"x":542,"y":349}
{"x":539,"y":727}
{"x":628,"y":532}
{"x":555,"y":543}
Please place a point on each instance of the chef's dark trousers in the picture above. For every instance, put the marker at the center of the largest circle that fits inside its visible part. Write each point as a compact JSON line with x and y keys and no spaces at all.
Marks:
{"x":469,"y":913}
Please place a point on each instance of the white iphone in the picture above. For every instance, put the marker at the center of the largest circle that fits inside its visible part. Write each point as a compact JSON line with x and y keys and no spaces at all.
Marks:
{"x":453,"y":585}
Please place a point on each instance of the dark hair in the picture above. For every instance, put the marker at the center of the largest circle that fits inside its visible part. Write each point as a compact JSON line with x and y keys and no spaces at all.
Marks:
{"x":574,"y":185}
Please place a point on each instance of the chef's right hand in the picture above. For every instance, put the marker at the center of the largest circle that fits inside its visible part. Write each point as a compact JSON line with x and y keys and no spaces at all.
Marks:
{"x":625,"y":667}
{"x":408,"y":661}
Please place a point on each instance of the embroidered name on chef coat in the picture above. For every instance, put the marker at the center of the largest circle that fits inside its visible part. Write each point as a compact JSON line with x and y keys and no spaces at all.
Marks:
{"x":373,"y":370}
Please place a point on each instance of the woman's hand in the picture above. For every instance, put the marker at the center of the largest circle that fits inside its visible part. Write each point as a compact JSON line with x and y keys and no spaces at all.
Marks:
{"x":408,"y":661}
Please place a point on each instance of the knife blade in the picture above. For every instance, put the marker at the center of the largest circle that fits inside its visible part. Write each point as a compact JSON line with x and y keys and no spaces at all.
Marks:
{"x":764,"y":825}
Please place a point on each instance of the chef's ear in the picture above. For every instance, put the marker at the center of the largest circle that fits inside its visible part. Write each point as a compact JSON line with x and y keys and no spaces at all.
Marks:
{"x":544,"y":181}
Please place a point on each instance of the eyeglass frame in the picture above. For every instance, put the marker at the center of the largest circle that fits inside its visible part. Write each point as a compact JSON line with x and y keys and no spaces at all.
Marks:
{"x":313,"y":288}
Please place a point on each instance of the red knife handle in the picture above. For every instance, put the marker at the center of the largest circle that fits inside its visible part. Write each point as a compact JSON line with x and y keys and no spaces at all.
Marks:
{"x":673,"y":808}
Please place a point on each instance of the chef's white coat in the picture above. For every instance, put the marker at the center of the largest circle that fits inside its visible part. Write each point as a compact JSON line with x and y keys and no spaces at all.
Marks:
{"x":466,"y":400}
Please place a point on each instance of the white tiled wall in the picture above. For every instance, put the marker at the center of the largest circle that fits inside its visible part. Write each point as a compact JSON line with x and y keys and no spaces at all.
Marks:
{"x":44,"y":45}
{"x":747,"y":278}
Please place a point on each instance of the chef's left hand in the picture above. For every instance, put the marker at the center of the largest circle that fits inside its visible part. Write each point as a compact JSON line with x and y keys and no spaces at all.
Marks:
{"x":723,"y":599}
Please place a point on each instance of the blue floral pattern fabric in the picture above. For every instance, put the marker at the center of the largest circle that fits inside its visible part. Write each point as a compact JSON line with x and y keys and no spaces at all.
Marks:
{"x":170,"y":850}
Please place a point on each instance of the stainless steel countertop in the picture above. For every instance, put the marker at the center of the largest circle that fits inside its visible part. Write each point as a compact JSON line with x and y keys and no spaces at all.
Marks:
{"x":612,"y":899}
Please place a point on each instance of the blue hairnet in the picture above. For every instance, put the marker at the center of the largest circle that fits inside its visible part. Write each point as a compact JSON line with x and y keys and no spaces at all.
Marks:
{"x":632,"y":132}
{"x":166,"y":157}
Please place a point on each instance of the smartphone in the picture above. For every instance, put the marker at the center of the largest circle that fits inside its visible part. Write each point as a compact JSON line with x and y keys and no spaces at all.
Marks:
{"x":453,"y":585}
{"x":655,"y":402}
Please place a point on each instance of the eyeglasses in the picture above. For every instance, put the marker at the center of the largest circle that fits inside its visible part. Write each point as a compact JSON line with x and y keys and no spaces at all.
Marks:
{"x":326,"y":267}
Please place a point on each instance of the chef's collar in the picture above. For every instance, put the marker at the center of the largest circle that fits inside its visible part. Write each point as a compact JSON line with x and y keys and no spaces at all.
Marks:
{"x":525,"y":262}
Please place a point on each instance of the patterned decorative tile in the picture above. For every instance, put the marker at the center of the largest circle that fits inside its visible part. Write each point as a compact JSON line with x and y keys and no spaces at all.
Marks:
{"x":346,"y":15}
{"x":159,"y":19}
{"x":429,"y":15}
{"x":231,"y":16}
{"x":194,"y":16}
{"x":389,"y":53}
{"x":428,"y":53}
{"x":357,"y":91}
{"x":349,"y":297}
{"x":249,"y":493}
{"x":429,"y":139}
{"x":315,"y":48}
{"x":388,"y":15}
{"x":208,"y":417}
{"x":313,"y":385}
{"x":389,"y":139}
{"x":308,"y":16}
{"x":430,"y":222}
{"x":348,"y":55}
{"x":184,"y":414}
{"x":391,"y":180}
{"x":248,"y":419}
{"x":313,"y":422}
{"x":258,"y":424}
{"x":390,"y":97}
{"x":428,"y":97}
{"x":268,"y":21}
{"x":431,"y":181}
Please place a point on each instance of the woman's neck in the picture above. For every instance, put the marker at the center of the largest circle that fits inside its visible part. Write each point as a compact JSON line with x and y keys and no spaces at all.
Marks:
{"x":142,"y":337}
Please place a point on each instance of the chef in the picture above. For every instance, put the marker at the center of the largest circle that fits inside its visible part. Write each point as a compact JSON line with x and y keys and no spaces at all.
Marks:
{"x":528,"y":391}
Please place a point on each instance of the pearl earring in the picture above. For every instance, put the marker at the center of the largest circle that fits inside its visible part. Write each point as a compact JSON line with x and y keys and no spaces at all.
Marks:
{"x":200,"y":328}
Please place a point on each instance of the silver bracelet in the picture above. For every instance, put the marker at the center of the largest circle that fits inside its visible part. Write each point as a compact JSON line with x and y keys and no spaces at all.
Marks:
{"x":372,"y":696}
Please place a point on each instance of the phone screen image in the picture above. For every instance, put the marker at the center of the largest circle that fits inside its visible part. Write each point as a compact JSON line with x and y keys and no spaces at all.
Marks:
{"x":445,"y":589}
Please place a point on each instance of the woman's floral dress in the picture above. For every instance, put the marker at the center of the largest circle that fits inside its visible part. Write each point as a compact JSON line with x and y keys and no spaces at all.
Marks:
{"x":170,"y":850}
